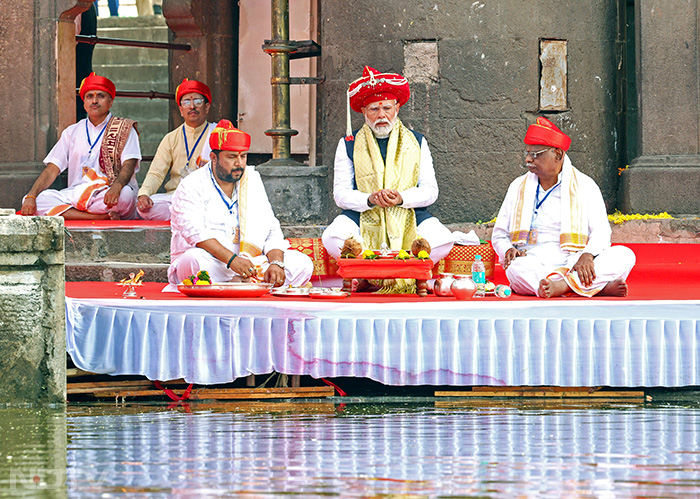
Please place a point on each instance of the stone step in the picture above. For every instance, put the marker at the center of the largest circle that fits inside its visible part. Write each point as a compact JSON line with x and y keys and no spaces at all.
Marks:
{"x":146,"y":33}
{"x":146,"y":110}
{"x":110,"y":254}
{"x":142,"y":77}
{"x":149,"y":125}
{"x":131,"y":23}
{"x":115,"y":271}
{"x":112,"y":55}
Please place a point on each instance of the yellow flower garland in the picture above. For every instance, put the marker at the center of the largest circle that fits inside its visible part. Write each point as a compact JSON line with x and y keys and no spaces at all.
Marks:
{"x":619,"y":218}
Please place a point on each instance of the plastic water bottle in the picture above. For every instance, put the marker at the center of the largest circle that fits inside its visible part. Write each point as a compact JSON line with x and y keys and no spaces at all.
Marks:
{"x":502,"y":291}
{"x":479,"y":276}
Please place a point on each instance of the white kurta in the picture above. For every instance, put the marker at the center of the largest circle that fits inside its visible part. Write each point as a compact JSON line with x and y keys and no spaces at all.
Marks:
{"x":347,"y":197}
{"x":199,"y":212}
{"x":545,"y":255}
{"x":72,"y":152}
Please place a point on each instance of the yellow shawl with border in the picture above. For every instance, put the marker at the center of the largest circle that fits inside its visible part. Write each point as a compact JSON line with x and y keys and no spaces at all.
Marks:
{"x":394,"y":226}
{"x":254,"y":213}
{"x":573,"y":235}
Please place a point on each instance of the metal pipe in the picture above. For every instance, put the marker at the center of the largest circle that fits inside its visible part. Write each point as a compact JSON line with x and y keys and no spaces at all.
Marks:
{"x":146,"y":94}
{"x":279,"y":49}
{"x":94,"y":40}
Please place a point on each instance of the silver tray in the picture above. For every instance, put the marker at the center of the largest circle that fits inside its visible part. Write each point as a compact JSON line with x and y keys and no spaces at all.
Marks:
{"x":287,"y":291}
{"x":327,"y":294}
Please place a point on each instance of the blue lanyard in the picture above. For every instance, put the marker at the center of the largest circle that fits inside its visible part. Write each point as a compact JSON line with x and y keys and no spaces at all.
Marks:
{"x":87,"y":132}
{"x":187,"y":149}
{"x":222,"y":195}
{"x":538,"y":203}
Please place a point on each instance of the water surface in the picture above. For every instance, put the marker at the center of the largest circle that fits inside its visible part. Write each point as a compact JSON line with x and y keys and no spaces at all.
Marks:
{"x":356,"y":449}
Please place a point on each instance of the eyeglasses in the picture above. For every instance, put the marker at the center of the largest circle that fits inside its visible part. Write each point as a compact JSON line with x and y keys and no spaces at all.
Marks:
{"x":534,"y":154}
{"x":188,"y":102}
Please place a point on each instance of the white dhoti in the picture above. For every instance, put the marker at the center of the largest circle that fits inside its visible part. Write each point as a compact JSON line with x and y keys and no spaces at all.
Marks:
{"x":525,"y":272}
{"x":70,"y":197}
{"x":160,"y":209}
{"x":297,"y":267}
{"x":438,"y":236}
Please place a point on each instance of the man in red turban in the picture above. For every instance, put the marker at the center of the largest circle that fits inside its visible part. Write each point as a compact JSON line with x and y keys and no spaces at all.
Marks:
{"x":179,"y":153}
{"x":384,"y":177}
{"x":552,"y":233}
{"x":101,"y":154}
{"x":222,"y":221}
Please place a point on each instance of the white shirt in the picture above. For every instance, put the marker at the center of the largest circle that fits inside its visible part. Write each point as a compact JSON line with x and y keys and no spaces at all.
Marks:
{"x":199,"y":213}
{"x":73,"y":150}
{"x":547,"y":223}
{"x":348,"y":197}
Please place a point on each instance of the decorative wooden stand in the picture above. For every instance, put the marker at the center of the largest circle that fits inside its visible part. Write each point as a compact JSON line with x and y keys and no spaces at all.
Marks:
{"x":386,"y":268}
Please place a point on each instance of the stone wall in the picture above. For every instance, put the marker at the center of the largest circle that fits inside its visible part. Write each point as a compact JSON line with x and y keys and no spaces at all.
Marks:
{"x":474,"y":71}
{"x":32,"y":310}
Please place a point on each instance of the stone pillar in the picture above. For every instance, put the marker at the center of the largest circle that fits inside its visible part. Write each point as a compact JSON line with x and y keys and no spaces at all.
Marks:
{"x":211,"y":28}
{"x":666,"y":174}
{"x":298,"y":194}
{"x":32,"y":309}
{"x":37,"y":64}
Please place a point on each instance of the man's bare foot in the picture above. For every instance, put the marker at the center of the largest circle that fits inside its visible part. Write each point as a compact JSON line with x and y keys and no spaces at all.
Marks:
{"x":618,"y":287}
{"x":550,"y":289}
{"x":113,"y":215}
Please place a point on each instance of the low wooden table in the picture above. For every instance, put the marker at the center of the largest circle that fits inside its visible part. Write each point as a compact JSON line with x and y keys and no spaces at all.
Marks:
{"x":386,"y":268}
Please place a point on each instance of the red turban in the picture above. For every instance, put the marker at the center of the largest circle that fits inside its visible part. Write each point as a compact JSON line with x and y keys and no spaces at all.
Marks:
{"x":226,"y":137}
{"x":188,"y":86}
{"x":545,"y":133}
{"x":94,"y":82}
{"x":375,"y":86}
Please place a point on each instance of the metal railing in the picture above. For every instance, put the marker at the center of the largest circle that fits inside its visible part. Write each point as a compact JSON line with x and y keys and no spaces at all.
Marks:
{"x":94,"y":40}
{"x":123,"y":42}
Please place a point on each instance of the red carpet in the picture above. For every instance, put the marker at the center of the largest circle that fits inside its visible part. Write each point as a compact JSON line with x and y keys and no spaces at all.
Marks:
{"x":115,"y":224}
{"x":663,"y":272}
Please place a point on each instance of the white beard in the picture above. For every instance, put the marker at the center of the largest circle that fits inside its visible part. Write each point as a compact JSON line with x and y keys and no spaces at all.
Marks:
{"x":382,"y":131}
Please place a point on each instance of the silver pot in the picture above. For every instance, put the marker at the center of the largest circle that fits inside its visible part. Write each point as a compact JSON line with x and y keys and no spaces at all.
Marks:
{"x":463,"y":288}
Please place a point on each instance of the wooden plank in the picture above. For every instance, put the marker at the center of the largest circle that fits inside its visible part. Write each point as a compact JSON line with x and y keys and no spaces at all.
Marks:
{"x":542,"y":394}
{"x":532,"y":402}
{"x":226,"y":393}
{"x":74,"y":371}
{"x":88,"y":387}
{"x":537,"y":388}
{"x":73,"y":388}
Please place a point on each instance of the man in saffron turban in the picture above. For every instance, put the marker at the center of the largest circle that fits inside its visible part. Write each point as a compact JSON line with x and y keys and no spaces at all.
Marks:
{"x":552,"y":233}
{"x":101,"y":153}
{"x":222,"y":221}
{"x":384,"y":177}
{"x":179,"y":152}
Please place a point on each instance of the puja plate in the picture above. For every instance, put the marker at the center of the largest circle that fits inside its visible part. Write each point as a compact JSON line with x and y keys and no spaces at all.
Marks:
{"x":287,"y":291}
{"x":328,"y":294}
{"x":226,"y":290}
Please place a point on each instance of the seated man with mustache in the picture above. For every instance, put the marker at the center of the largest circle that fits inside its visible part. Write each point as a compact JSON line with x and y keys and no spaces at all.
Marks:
{"x":384,"y":177}
{"x":222,"y":221}
{"x":552,"y":233}
{"x":100,"y":153}
{"x":178,"y":152}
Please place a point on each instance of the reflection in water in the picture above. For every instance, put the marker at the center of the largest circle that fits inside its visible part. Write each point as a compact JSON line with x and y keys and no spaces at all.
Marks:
{"x":33,"y":453}
{"x":362,"y":450}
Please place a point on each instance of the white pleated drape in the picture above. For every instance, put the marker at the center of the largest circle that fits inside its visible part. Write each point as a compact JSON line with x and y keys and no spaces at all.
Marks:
{"x":561,"y":343}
